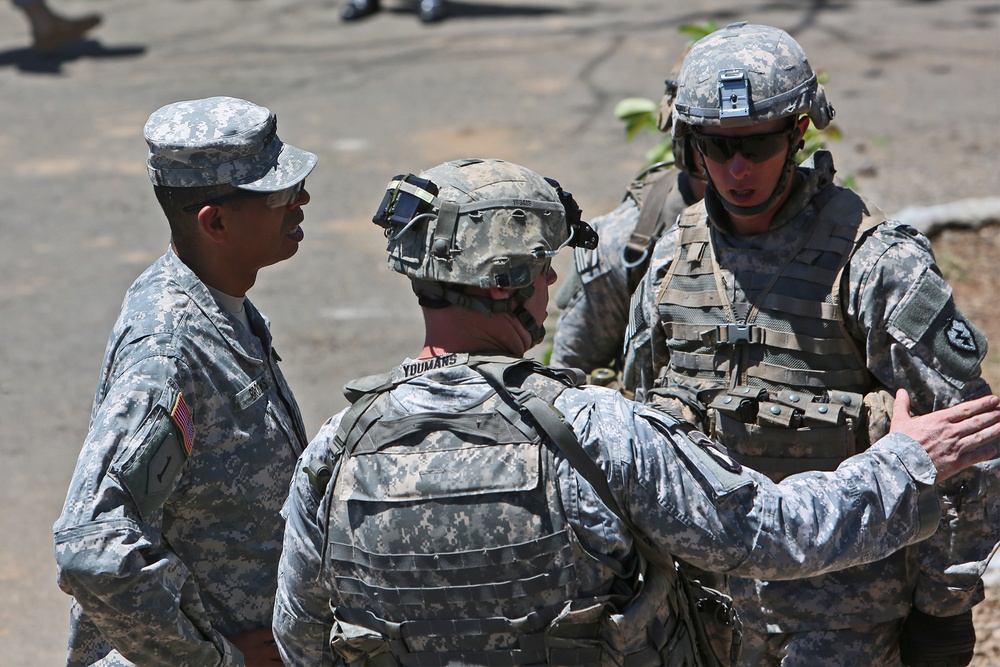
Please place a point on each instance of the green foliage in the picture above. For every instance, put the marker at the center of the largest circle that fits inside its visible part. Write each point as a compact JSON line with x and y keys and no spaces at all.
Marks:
{"x":698,"y":30}
{"x":640,"y":115}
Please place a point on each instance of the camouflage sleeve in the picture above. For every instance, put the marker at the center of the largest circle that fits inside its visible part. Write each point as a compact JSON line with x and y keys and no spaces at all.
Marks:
{"x":692,"y":501}
{"x":913,"y":335}
{"x":302,"y":615}
{"x":645,"y":348}
{"x":916,"y":338}
{"x":593,"y":299}
{"x":110,"y":551}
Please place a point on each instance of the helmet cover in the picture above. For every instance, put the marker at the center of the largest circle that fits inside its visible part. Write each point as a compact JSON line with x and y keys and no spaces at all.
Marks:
{"x":484,"y":223}
{"x":746,"y":74}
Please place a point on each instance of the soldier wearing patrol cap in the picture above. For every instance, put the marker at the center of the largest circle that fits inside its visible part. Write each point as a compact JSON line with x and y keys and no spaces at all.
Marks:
{"x":780,"y":315}
{"x":473,"y":507}
{"x":170,"y":534}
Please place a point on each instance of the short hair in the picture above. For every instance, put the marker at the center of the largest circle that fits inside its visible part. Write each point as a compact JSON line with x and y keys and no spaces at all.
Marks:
{"x":183,"y":224}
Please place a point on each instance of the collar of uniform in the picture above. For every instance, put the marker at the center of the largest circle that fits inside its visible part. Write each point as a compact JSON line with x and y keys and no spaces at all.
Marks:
{"x":255,"y":348}
{"x":814,"y":174}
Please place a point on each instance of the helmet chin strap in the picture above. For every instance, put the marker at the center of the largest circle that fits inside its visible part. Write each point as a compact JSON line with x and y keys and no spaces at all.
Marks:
{"x":527,"y":320}
{"x":437,"y":295}
{"x":779,"y":188}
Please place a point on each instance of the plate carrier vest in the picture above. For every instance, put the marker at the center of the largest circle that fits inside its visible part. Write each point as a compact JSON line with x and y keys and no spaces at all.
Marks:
{"x":785,"y":386}
{"x":448,"y":543}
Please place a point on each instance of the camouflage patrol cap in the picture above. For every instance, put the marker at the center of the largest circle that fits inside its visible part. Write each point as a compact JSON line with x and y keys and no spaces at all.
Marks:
{"x":218,"y":141}
{"x":490,"y":223}
{"x":746,"y":74}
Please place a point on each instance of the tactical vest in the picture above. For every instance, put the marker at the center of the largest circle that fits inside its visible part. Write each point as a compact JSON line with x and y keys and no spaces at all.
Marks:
{"x":447,"y":541}
{"x":760,"y":335}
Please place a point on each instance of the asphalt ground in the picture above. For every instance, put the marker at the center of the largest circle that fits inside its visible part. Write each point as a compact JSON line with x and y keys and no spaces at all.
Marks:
{"x":915,"y":85}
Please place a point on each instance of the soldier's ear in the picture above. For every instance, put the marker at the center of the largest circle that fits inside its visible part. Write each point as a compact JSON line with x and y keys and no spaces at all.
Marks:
{"x":500,"y":293}
{"x":212,"y":223}
{"x":803,"y":124}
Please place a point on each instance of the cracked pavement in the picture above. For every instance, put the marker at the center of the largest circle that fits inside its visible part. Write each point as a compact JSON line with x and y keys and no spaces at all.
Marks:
{"x":914,"y":83}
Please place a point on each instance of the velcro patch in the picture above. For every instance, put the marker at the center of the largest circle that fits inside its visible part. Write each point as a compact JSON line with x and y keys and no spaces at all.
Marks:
{"x":151,"y":474}
{"x":928,"y":317}
{"x":921,"y":305}
{"x":722,"y":474}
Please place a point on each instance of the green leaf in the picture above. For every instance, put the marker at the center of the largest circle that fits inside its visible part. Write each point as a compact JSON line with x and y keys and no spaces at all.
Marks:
{"x":660,"y":152}
{"x":697,"y":30}
{"x":632,"y":106}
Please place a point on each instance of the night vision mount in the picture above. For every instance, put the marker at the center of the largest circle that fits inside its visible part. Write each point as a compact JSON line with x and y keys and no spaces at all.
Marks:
{"x":409,"y":199}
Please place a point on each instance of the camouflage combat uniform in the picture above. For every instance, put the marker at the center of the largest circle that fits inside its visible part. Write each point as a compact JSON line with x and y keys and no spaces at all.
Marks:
{"x":170,"y":534}
{"x":898,"y":313}
{"x":594,"y":297}
{"x":686,"y":499}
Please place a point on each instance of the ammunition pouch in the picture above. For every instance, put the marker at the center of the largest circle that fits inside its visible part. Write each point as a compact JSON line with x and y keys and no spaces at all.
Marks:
{"x":788,"y":432}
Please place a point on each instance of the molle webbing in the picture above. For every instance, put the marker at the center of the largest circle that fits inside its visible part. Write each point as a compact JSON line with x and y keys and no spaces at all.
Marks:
{"x":530,"y":647}
{"x":476,"y":527}
{"x":792,"y":333}
{"x":788,"y":333}
{"x":448,"y":544}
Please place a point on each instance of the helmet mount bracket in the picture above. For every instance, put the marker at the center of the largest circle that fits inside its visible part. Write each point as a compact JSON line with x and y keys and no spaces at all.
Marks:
{"x":734,"y":98}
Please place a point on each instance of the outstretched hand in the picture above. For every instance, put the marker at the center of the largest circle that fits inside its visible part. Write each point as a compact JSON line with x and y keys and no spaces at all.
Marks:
{"x":956,"y":437}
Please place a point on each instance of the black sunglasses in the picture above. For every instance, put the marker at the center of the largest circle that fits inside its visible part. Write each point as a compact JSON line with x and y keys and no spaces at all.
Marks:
{"x":754,"y":147}
{"x":276,"y":199}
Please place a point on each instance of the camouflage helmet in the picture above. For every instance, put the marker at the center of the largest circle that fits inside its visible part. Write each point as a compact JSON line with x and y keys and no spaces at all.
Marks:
{"x":746,"y":74}
{"x":478,"y":222}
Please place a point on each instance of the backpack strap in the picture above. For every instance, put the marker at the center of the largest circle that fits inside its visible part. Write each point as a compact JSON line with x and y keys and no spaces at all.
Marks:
{"x":635,"y":254}
{"x":551,"y":422}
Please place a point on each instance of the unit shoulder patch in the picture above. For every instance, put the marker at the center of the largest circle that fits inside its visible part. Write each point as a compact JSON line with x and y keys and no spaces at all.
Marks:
{"x":929,"y":317}
{"x":151,"y":473}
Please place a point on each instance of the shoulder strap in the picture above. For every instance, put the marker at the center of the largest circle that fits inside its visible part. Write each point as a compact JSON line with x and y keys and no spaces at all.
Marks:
{"x":551,"y":422}
{"x":635,"y":255}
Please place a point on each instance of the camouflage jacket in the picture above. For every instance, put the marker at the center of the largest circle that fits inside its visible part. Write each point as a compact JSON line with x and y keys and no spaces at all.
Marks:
{"x":685,"y":498}
{"x":594,"y":297}
{"x":169,"y":537}
{"x":900,"y":313}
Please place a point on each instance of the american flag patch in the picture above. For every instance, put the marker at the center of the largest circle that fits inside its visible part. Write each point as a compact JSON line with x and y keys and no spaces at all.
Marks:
{"x":182,"y":417}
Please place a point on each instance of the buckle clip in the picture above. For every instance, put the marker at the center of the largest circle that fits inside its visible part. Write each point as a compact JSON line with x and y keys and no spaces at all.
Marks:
{"x":737,"y":333}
